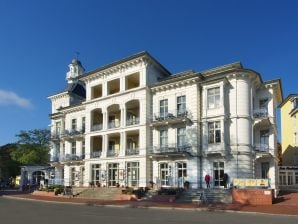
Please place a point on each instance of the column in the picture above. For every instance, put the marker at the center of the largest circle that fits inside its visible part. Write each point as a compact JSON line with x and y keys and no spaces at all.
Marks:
{"x":104,"y":119}
{"x":123,"y":143}
{"x":104,"y":146}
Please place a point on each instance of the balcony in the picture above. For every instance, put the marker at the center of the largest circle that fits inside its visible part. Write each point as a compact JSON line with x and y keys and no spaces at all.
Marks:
{"x":170,"y":117}
{"x":133,"y":121}
{"x":95,"y":154}
{"x":73,"y":133}
{"x":55,"y":137}
{"x":264,"y":148}
{"x":171,"y":149}
{"x":113,"y":124}
{"x":72,"y":157}
{"x":96,"y":127}
{"x":130,"y":152}
{"x":260,"y":113}
{"x":112,"y":153}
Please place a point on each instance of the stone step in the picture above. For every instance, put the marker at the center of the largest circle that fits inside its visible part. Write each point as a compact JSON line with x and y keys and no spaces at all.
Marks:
{"x":101,"y":193}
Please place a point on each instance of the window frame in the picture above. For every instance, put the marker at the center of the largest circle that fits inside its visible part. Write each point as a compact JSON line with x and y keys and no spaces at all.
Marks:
{"x":214,"y":132}
{"x":213,"y":94}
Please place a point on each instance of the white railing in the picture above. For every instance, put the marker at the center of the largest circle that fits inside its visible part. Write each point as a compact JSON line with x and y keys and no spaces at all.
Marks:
{"x":95,"y":154}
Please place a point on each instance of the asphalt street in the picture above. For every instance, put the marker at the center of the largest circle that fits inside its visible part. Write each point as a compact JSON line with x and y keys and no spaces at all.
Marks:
{"x":14,"y":211}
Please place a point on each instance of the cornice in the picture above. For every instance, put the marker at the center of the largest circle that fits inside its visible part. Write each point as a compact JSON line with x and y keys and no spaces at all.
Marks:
{"x":175,"y":84}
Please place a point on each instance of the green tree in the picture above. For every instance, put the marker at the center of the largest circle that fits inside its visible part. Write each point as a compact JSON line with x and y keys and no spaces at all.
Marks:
{"x":32,"y":147}
{"x":8,"y":166}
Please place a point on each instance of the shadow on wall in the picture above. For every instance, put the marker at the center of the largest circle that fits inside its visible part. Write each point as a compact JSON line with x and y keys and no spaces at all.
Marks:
{"x":290,"y":156}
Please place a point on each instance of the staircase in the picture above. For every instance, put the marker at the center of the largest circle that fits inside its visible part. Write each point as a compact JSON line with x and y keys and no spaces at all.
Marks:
{"x":100,"y":193}
{"x":206,"y":196}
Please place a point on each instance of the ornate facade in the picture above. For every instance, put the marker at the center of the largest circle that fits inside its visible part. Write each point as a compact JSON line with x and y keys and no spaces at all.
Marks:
{"x":133,"y":123}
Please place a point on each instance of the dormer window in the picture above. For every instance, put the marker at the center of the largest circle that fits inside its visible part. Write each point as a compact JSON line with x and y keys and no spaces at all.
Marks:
{"x":295,"y":103}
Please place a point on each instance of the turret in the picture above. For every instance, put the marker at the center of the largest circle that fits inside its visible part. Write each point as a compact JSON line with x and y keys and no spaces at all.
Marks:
{"x":75,"y":70}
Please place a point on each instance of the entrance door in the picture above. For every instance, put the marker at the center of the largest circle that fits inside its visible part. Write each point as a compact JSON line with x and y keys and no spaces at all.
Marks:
{"x":133,"y":174}
{"x":113,"y":174}
{"x":164,"y":174}
{"x":265,"y":170}
{"x":218,"y":174}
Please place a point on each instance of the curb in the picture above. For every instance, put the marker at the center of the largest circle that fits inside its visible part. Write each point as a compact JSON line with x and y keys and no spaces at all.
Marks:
{"x":147,"y":207}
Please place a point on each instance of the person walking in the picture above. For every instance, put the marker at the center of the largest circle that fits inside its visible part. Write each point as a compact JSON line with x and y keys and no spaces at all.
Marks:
{"x":207,"y":180}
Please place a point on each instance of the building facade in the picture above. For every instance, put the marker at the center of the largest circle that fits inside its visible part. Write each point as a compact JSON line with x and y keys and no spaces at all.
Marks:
{"x":289,"y":129}
{"x":133,"y":123}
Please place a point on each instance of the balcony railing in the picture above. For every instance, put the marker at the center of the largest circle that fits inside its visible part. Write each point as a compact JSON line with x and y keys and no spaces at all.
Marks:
{"x":114,"y":124}
{"x":72,"y":133}
{"x":95,"y":154}
{"x":133,"y":121}
{"x":171,"y":148}
{"x":130,"y":152}
{"x":72,"y":157}
{"x":112,"y":153}
{"x":260,"y":113}
{"x":171,"y":115}
{"x":96,"y":127}
{"x":261,"y":147}
{"x":55,"y":136}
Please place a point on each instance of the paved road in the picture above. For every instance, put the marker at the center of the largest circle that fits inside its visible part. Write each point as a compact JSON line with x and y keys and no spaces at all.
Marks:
{"x":18,"y":211}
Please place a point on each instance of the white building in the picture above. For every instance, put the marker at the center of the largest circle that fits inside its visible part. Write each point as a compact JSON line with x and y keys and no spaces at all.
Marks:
{"x":132,"y":123}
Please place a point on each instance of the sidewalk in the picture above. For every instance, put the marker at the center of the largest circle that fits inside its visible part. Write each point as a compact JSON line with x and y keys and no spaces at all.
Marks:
{"x":286,"y":204}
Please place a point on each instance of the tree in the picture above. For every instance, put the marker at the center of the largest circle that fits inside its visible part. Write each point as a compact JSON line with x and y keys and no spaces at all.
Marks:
{"x":34,"y":137}
{"x":32,"y":147}
{"x":8,"y":166}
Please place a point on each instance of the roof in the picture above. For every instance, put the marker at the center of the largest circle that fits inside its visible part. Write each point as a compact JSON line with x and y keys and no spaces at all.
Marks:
{"x":134,"y":56}
{"x":175,"y":78}
{"x":289,"y":97}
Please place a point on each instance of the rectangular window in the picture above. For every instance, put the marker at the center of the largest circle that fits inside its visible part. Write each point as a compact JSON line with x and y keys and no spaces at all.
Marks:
{"x":264,"y":140}
{"x":73,"y":148}
{"x":83,"y":124}
{"x":74,"y":124}
{"x":295,"y":103}
{"x":213,"y":96}
{"x":163,"y":138}
{"x":181,"y":105}
{"x":96,"y":173}
{"x":296,"y":177}
{"x":214,"y":132}
{"x":58,"y":128}
{"x":181,"y":136}
{"x":164,"y":174}
{"x":163,"y":108}
{"x":83,"y":148}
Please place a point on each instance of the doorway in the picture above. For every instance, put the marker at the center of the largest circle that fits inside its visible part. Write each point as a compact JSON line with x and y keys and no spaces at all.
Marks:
{"x":218,"y":174}
{"x":113,"y":174}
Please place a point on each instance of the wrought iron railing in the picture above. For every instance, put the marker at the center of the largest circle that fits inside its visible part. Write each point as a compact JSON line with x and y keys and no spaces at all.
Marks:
{"x":112,"y":153}
{"x":260,"y":147}
{"x":171,"y":148}
{"x":114,"y":124}
{"x":96,"y":127}
{"x":176,"y":114}
{"x":260,"y":113}
{"x":135,"y":151}
{"x":133,"y":121}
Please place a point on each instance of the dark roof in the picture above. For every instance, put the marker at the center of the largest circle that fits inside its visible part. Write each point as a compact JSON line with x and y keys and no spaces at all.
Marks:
{"x":288,"y":98}
{"x":142,"y":53}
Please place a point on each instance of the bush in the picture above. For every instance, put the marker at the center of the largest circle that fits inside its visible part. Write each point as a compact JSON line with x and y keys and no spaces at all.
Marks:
{"x":169,"y":191}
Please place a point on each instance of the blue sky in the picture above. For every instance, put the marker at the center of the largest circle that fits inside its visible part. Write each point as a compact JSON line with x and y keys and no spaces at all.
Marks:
{"x":39,"y":38}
